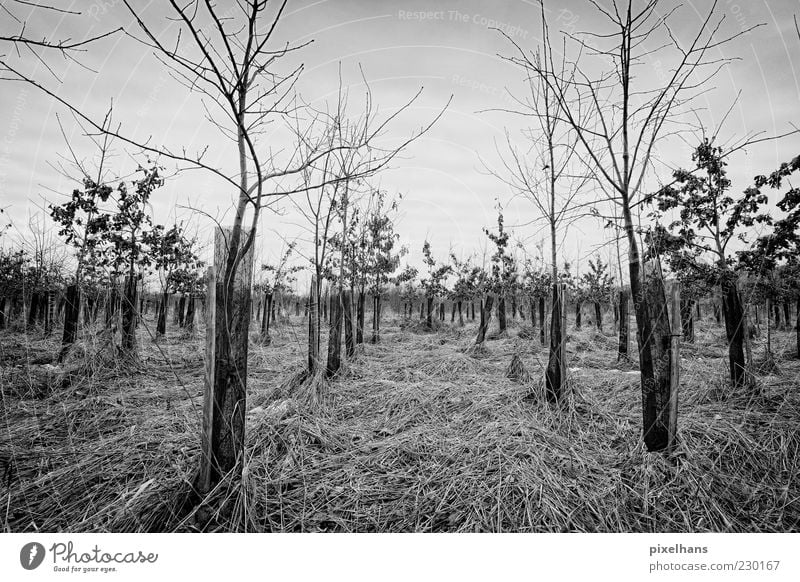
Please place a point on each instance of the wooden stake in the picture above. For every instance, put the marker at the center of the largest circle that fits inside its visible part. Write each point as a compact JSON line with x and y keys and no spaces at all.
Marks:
{"x":675,"y":365}
{"x":208,"y":392}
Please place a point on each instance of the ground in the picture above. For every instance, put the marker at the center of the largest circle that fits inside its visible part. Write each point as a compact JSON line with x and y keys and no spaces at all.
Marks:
{"x":417,"y":434}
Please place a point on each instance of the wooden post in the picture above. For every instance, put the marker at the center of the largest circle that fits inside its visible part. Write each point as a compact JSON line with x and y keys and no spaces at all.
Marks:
{"x":208,"y":392}
{"x":675,"y":365}
{"x":564,"y":300}
{"x":313,"y":327}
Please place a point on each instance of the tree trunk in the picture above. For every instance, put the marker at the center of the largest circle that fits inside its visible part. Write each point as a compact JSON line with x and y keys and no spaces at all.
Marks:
{"x":266,"y":316}
{"x":33,"y":309}
{"x":72,"y":304}
{"x":313,"y":327}
{"x":429,"y":315}
{"x":334,"y":363}
{"x":190,"y":307}
{"x":453,"y":312}
{"x":555,"y":366}
{"x":161,"y":324}
{"x":654,"y":340}
{"x":441,"y":311}
{"x":460,"y":315}
{"x":513,"y":306}
{"x":734,"y":330}
{"x":362,"y":300}
{"x":228,"y":323}
{"x":181,"y":310}
{"x":349,"y":339}
{"x":129,"y":316}
{"x":501,"y":313}
{"x":376,"y":319}
{"x":578,"y":314}
{"x":542,"y":323}
{"x":472,"y":309}
{"x":3,"y":302}
{"x":486,"y":316}
{"x":598,"y":316}
{"x":624,"y":321}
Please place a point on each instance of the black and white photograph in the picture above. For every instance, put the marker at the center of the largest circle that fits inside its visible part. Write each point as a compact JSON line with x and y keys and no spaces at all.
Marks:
{"x":384,"y":267}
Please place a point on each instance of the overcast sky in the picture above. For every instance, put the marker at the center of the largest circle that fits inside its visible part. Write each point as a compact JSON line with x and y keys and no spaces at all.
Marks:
{"x":447,"y":47}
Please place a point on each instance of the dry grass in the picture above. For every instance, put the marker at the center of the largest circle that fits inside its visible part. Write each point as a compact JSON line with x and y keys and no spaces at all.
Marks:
{"x":417,"y":434}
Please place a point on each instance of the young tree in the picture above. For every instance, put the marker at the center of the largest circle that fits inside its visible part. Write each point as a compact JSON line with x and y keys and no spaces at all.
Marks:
{"x":537,"y":284}
{"x":276,"y":278}
{"x":433,"y":284}
{"x":503,"y":276}
{"x":619,"y":118}
{"x":175,"y":261}
{"x":598,"y":285}
{"x":383,"y":259}
{"x":708,"y":220}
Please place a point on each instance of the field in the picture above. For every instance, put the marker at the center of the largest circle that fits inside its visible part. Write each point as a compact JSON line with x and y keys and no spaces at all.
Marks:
{"x":416,"y":434}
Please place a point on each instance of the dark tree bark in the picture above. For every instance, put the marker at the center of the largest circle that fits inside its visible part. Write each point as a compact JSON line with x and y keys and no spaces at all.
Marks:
{"x":486,"y":316}
{"x":441,"y":311}
{"x":501,"y":313}
{"x":129,"y":316}
{"x":472,"y":309}
{"x":453,"y":312}
{"x":313,"y":327}
{"x":624,"y":320}
{"x":578,"y":305}
{"x":349,"y":339}
{"x":542,"y":323}
{"x":3,"y":303}
{"x":33,"y":309}
{"x":598,"y":316}
{"x":553,"y":375}
{"x":376,"y":319}
{"x":334,"y":363}
{"x":161,"y":324}
{"x":72,"y":304}
{"x":362,"y":300}
{"x":429,"y":315}
{"x":266,"y":315}
{"x":190,"y":307}
{"x":227,"y":335}
{"x":654,"y":339}
{"x":513,"y":306}
{"x":460,"y":315}
{"x":181,"y":310}
{"x":734,"y":330}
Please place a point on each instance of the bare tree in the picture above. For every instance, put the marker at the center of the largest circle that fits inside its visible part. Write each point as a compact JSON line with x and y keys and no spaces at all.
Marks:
{"x":619,"y":120}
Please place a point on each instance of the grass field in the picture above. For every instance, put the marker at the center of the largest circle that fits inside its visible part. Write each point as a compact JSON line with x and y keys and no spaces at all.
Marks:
{"x":417,"y":434}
